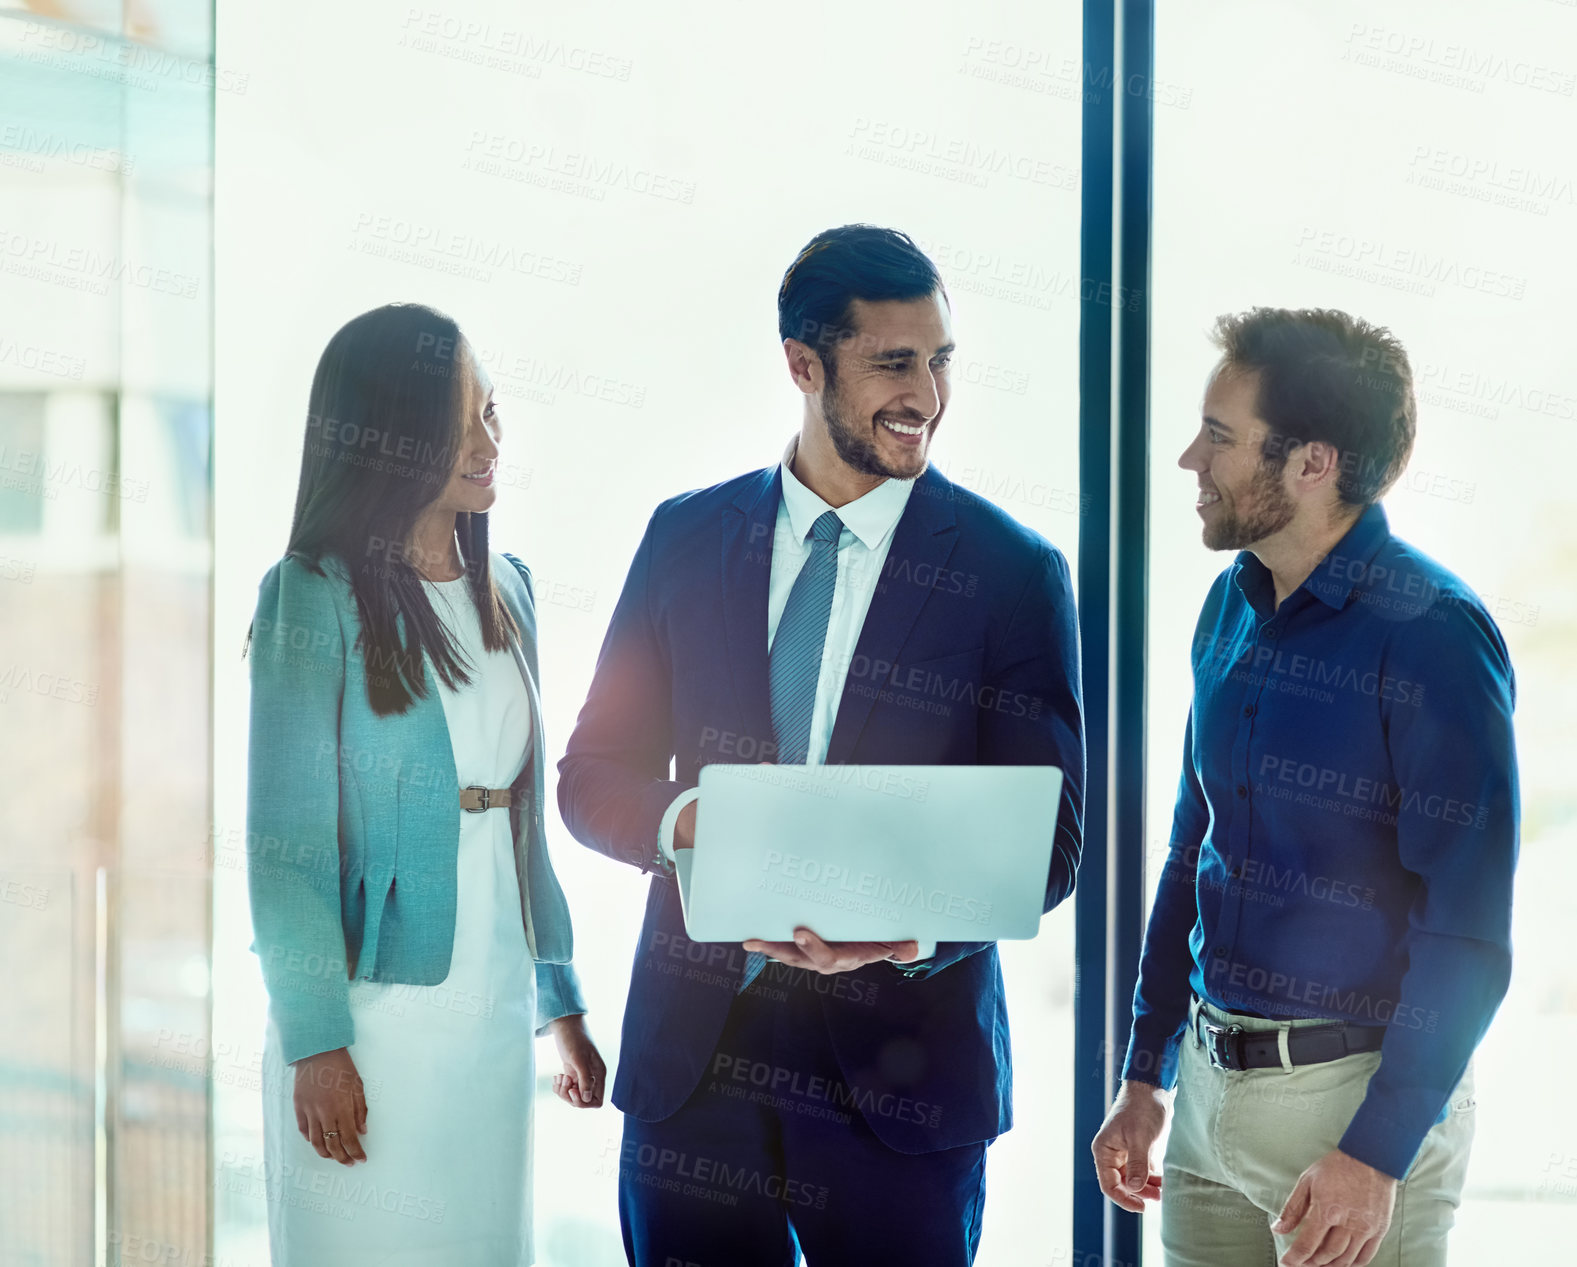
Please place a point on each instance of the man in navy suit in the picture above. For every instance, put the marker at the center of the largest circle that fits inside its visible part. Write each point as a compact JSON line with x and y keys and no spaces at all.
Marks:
{"x":847,"y":605}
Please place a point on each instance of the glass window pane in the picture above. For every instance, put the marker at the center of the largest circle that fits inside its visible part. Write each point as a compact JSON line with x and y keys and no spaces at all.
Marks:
{"x":105,"y":603}
{"x":608,"y":206}
{"x":22,"y":486}
{"x":1409,"y":165}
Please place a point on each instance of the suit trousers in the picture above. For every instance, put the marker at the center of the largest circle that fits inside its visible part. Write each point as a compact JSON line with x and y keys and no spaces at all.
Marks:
{"x":1241,"y":1139}
{"x":771,"y":1156}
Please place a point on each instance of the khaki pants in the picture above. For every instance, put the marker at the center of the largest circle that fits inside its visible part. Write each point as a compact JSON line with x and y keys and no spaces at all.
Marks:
{"x":1240,"y":1141}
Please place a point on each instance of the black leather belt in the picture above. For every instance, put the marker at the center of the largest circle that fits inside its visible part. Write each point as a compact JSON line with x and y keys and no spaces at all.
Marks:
{"x":1233,"y":1047}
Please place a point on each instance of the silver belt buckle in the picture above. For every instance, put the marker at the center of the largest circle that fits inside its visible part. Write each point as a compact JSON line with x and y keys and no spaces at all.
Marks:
{"x":477,"y":787}
{"x":1218,"y":1044}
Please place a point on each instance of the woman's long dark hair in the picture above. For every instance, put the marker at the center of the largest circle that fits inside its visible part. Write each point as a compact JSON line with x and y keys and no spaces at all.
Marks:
{"x":385,"y":425}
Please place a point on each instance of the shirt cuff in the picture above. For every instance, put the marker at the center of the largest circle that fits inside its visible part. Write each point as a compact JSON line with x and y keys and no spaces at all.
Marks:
{"x":665,"y":829}
{"x":1153,"y":1060}
{"x":1387,"y":1144}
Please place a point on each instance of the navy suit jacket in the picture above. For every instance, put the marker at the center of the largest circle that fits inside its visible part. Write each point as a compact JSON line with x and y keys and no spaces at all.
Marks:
{"x":968,"y":656}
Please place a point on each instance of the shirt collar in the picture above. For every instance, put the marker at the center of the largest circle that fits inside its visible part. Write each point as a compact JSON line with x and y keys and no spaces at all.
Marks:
{"x":1346,"y":567}
{"x":870,"y":518}
{"x":1336,"y":576}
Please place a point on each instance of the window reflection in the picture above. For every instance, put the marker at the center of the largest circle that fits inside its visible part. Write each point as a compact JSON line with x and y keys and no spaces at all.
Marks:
{"x":105,"y":581}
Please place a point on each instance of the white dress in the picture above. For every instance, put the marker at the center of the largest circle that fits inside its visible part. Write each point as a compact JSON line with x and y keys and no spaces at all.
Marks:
{"x":449,"y":1070}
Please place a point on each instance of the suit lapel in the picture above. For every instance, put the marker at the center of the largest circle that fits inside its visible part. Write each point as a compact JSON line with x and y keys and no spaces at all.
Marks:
{"x":922,"y":543}
{"x":749,"y":525}
{"x":531,"y":685}
{"x":517,"y":609}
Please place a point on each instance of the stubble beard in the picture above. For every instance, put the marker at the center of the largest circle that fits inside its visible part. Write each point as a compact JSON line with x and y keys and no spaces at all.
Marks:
{"x":857,"y":451}
{"x":1272,"y":511}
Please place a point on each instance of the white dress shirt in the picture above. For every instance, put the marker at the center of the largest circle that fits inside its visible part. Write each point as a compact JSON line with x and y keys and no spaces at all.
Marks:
{"x":869,"y":523}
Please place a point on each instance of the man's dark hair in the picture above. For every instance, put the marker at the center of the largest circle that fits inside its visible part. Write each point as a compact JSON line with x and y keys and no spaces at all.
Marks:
{"x":838,"y":266}
{"x":1328,"y":376}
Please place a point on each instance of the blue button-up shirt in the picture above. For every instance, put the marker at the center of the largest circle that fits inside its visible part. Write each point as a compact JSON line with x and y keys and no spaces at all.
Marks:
{"x":1346,"y":825}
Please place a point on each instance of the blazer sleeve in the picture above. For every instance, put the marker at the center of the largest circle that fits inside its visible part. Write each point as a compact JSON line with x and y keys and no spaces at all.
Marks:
{"x":558,"y":985}
{"x":292,"y":808}
{"x":613,"y":780}
{"x":558,"y":994}
{"x":1037,"y":718}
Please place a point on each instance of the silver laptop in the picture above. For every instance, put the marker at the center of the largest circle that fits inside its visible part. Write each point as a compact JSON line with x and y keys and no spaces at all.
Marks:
{"x":870,"y":852}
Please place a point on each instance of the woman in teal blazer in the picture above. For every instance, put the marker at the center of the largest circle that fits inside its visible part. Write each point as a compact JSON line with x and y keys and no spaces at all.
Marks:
{"x":412,"y":945}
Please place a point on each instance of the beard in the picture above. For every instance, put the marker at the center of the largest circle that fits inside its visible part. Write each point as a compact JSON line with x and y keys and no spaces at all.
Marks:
{"x":1270,"y":510}
{"x":858,"y":450}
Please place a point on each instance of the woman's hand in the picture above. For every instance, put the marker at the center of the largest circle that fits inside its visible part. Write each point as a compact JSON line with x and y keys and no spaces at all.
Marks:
{"x":331,"y":1107}
{"x":581,"y":1083}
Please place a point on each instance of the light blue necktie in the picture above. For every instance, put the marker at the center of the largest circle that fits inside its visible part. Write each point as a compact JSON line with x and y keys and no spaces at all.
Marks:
{"x":794,"y":664}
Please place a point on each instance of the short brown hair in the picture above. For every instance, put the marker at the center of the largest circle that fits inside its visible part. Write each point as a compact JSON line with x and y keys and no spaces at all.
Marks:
{"x":1325,"y":375}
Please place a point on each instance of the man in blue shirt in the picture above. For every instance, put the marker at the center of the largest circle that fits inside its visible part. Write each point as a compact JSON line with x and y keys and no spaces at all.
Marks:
{"x":1332,"y":931}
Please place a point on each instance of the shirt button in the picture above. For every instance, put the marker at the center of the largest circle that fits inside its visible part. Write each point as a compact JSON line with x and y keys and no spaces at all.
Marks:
{"x":1235,"y":872}
{"x":1270,"y":631}
{"x":1242,"y":792}
{"x":1248,"y":710}
{"x":1220,"y":951}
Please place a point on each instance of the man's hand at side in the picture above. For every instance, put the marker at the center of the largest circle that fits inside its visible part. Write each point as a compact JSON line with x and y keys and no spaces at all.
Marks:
{"x":1124,"y":1146}
{"x":1341,"y":1209}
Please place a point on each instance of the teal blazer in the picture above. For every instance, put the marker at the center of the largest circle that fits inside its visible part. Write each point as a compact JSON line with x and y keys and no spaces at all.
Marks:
{"x":352,"y":819}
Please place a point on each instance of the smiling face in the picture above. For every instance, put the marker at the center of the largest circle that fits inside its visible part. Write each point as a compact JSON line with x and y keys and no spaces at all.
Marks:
{"x":470,"y":487}
{"x":890,"y":387}
{"x":1241,"y":500}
